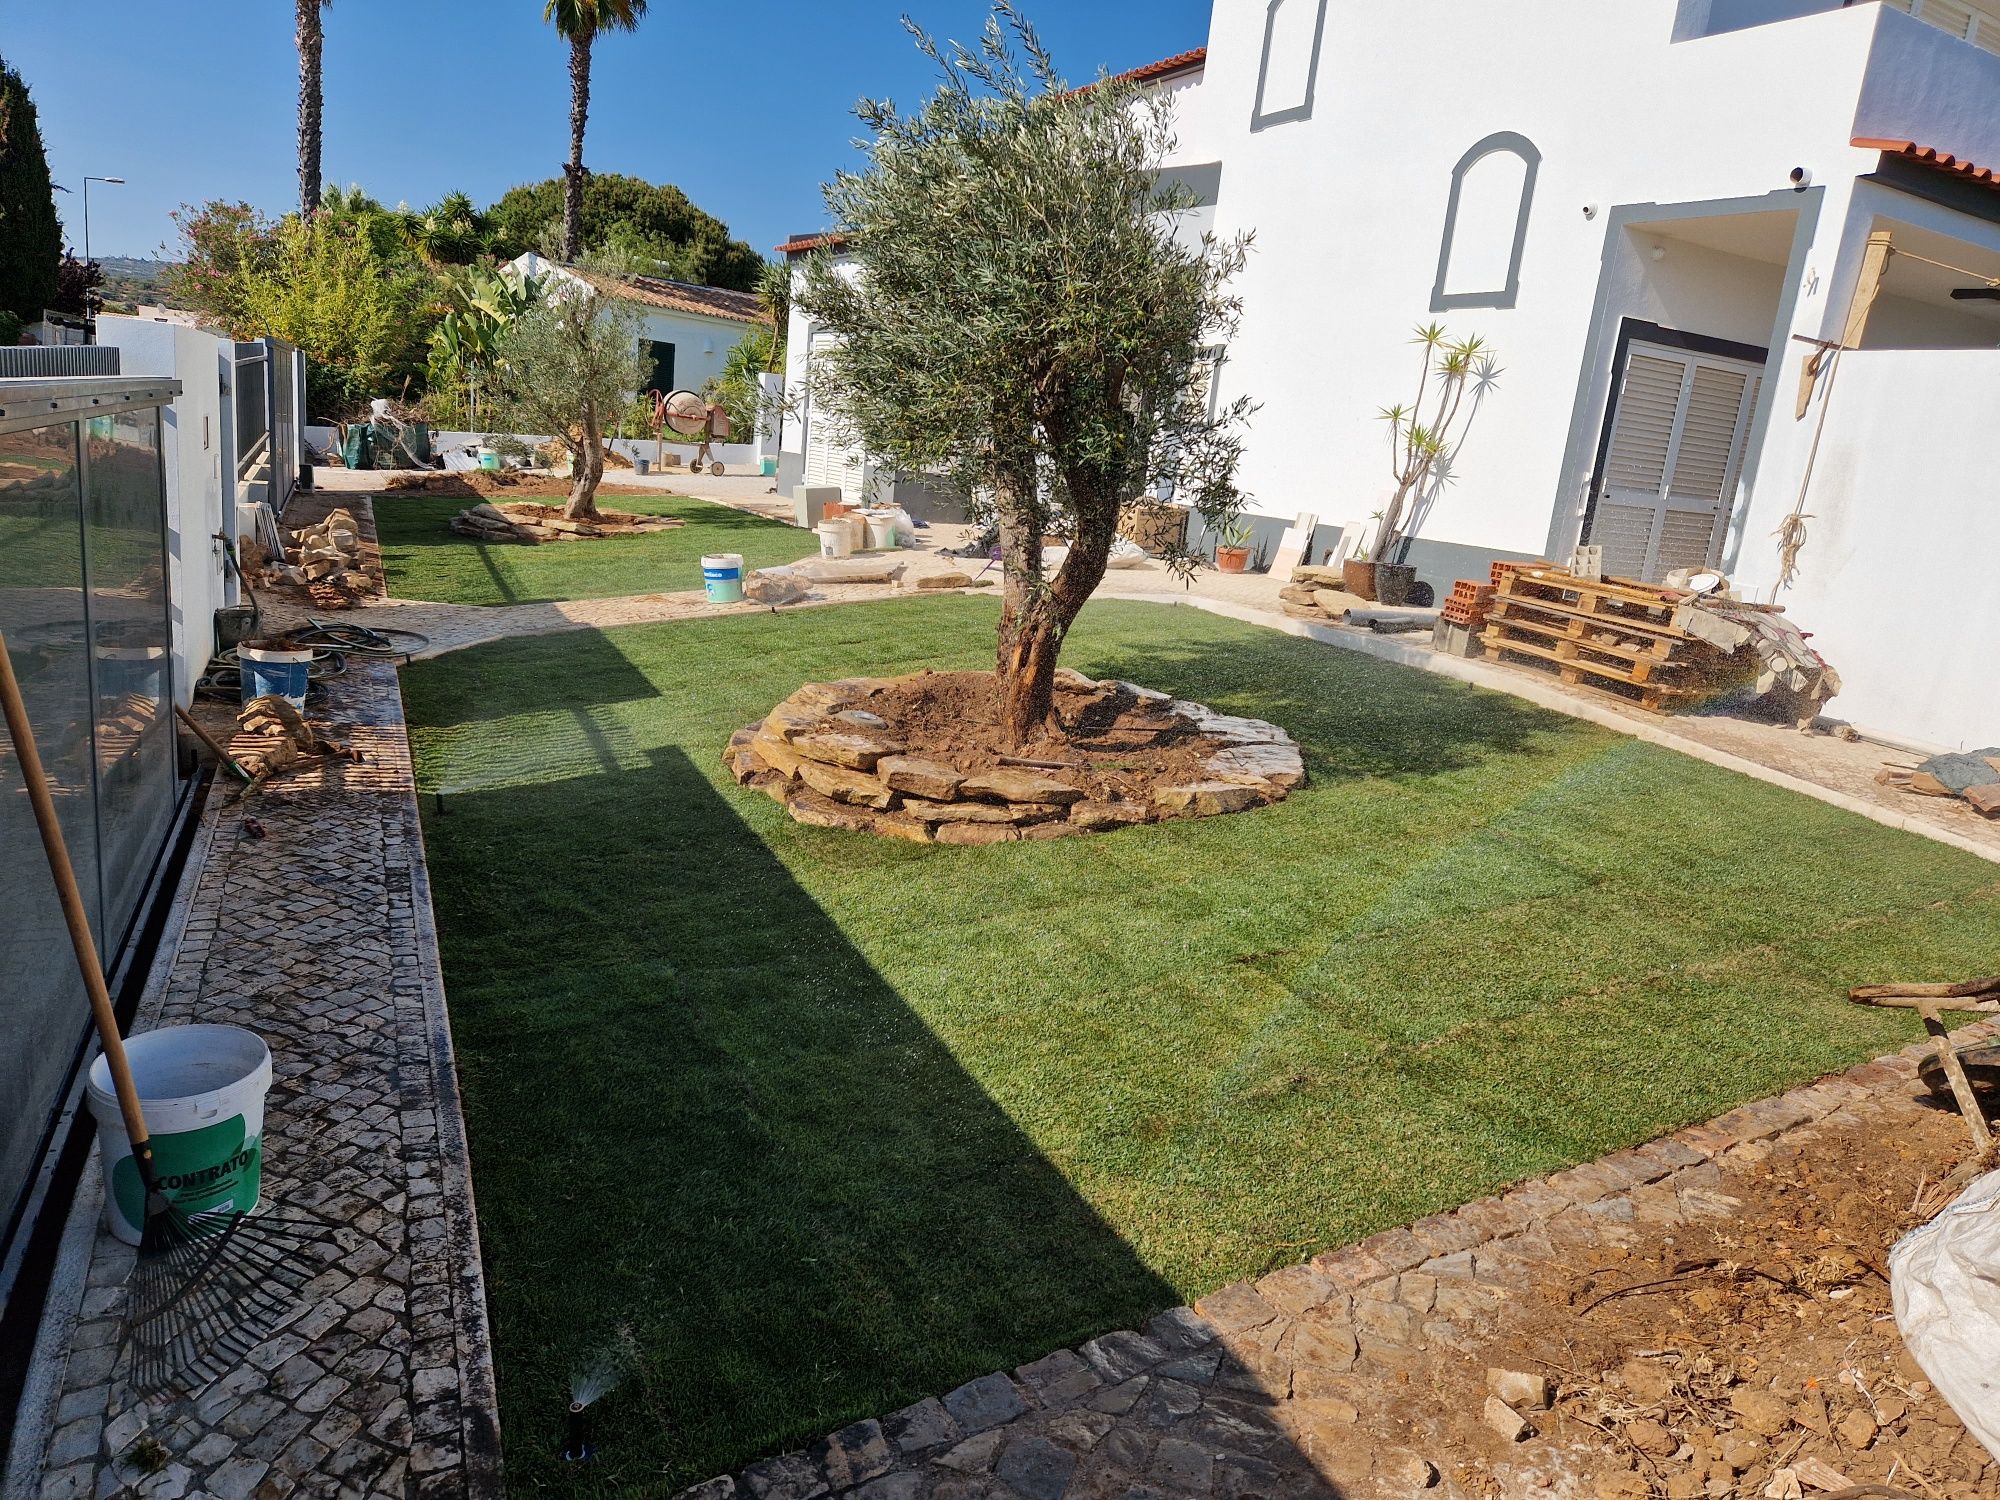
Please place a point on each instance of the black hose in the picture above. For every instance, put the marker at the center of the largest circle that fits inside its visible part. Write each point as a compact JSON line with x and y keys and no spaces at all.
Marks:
{"x":358,"y":640}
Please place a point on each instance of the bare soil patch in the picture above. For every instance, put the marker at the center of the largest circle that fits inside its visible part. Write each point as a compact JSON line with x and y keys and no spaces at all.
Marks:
{"x":481,"y":484}
{"x":1724,"y":1356}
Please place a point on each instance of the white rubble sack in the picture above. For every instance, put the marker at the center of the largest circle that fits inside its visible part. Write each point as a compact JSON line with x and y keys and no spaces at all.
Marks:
{"x":883,"y":569}
{"x":1945,"y":1282}
{"x":775,"y":586}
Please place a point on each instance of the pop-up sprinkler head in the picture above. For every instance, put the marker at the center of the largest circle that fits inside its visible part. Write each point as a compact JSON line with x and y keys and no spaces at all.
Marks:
{"x":577,"y":1445}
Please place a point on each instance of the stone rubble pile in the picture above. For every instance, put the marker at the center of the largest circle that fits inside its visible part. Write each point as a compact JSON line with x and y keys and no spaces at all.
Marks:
{"x":325,"y":560}
{"x":835,"y":764}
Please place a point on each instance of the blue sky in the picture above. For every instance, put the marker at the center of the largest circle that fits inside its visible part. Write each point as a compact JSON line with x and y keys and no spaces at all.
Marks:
{"x":196,"y":99}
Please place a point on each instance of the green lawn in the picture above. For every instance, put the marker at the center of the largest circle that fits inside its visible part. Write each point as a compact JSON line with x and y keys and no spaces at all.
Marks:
{"x":831,"y":1123}
{"x":425,"y":559}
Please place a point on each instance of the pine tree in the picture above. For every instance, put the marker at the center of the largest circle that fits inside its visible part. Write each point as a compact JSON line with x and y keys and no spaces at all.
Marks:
{"x":30,"y":233}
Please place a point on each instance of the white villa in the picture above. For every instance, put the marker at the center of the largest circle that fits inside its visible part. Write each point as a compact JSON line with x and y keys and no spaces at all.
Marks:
{"x":1665,"y":216}
{"x":686,"y":331}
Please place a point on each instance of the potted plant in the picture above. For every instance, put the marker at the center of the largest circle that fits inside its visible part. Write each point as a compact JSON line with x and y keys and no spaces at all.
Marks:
{"x":1357,"y":574}
{"x":1421,"y":450}
{"x":1232,"y":546}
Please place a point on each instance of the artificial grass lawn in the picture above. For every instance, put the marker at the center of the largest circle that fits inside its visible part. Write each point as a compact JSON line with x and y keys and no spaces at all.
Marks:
{"x":831,"y":1123}
{"x":425,"y":559}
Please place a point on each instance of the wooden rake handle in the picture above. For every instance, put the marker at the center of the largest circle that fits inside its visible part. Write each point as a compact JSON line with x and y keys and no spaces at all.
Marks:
{"x":78,"y":921}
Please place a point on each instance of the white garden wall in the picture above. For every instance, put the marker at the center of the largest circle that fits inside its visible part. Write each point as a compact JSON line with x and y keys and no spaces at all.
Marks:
{"x":1895,"y":578}
{"x":197,"y":445}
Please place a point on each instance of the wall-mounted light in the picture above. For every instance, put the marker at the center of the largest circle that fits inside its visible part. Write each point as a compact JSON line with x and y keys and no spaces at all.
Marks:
{"x":1800,"y":178}
{"x":1659,"y":252}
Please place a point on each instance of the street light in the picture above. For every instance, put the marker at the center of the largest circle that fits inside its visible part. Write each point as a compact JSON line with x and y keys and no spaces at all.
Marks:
{"x":119,"y":181}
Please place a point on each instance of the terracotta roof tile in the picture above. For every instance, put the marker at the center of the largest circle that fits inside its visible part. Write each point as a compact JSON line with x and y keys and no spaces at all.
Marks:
{"x":1931,"y":156}
{"x":799,"y":244}
{"x":686,"y":297}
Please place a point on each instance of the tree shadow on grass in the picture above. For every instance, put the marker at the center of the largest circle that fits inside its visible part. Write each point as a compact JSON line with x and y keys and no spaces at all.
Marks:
{"x":1353,"y":715}
{"x":699,"y":1114}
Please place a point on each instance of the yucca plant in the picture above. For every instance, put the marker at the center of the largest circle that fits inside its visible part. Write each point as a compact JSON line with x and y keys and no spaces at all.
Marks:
{"x":1421,"y":449}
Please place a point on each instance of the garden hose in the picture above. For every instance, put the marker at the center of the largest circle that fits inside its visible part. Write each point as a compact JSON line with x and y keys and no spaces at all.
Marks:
{"x":358,"y":640}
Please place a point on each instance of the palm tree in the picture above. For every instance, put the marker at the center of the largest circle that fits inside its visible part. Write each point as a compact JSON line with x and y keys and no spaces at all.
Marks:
{"x":310,"y":38}
{"x":579,"y":21}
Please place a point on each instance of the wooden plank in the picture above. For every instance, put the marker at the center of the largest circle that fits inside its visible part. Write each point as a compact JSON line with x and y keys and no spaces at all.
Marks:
{"x":1496,"y":640}
{"x":1568,"y":625}
{"x":1612,"y":603}
{"x":1874,"y":265}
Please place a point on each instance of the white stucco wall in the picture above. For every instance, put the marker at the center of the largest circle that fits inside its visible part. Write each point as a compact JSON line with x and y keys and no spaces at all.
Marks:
{"x":195,"y":441}
{"x":1894,"y":579}
{"x":1349,"y":206}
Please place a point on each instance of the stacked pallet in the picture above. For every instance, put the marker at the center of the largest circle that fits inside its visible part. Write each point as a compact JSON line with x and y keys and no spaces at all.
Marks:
{"x":1614,"y":636}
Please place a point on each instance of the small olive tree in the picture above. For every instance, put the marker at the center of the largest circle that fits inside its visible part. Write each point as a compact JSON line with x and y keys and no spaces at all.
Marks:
{"x":1022,"y":317}
{"x":568,"y":365}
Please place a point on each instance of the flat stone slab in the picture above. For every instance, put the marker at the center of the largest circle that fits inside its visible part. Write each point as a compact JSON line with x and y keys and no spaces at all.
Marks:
{"x":1010,"y":785}
{"x":856,"y":751}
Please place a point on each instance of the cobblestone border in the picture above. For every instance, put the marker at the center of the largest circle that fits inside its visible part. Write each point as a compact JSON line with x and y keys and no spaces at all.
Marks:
{"x":1240,"y":1395}
{"x":317,"y":933}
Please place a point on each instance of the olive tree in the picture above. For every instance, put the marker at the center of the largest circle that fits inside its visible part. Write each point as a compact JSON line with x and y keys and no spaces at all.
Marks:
{"x":1018,"y":313}
{"x":569,"y":365}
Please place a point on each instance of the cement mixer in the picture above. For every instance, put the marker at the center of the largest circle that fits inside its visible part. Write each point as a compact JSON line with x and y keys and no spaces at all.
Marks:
{"x":692,"y":415}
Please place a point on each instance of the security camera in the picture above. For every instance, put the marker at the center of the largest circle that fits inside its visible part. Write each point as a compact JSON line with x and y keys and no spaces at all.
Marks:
{"x":1801,"y":178}
{"x":1590,"y":210}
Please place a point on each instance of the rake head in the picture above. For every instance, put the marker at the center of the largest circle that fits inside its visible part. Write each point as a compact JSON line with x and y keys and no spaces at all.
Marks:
{"x":210,"y":1286}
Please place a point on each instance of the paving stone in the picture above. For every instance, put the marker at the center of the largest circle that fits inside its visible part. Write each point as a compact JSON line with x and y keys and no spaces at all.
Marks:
{"x":973,"y":1456}
{"x":1035,"y":1468}
{"x":1060,"y":1379}
{"x":924,"y":1425}
{"x":1296,"y":1288}
{"x":985,"y":1402}
{"x":1119,"y":1356}
{"x":854,"y":1454}
{"x":1182,"y":1467}
{"x":1235,"y":1308}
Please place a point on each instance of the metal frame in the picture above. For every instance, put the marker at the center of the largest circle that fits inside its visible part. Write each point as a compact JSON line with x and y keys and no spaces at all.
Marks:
{"x":37,"y":403}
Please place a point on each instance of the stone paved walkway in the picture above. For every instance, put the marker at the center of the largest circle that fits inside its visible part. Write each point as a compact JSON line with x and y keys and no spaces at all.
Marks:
{"x":1256,"y":1389}
{"x":318,"y":937}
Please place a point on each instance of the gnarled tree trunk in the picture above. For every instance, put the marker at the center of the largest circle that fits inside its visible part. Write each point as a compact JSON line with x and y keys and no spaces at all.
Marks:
{"x":579,"y":115}
{"x":1036,"y":614}
{"x":586,"y":471}
{"x":310,"y":38}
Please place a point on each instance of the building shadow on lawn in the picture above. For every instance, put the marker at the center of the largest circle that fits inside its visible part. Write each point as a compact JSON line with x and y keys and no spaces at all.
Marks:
{"x":1353,"y":715}
{"x":708,"y":1134}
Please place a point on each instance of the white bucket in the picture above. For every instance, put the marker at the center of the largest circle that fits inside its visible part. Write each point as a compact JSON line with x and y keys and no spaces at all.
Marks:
{"x":722,"y":576}
{"x":881,"y":530}
{"x":835,"y":540}
{"x":201,"y":1091}
{"x":284,"y":674}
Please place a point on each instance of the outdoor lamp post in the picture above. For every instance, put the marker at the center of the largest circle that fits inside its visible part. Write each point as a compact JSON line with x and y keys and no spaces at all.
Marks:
{"x":118,"y":181}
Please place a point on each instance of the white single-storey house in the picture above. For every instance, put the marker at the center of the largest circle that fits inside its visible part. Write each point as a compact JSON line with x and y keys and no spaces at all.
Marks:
{"x":686,"y":331}
{"x":1737,"y":259}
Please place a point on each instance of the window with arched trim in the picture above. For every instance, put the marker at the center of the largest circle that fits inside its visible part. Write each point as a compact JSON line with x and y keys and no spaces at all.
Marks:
{"x":1486,"y":224}
{"x":1289,"y":67}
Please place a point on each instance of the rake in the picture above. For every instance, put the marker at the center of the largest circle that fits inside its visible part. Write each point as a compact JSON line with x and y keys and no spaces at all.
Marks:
{"x":210,"y":1285}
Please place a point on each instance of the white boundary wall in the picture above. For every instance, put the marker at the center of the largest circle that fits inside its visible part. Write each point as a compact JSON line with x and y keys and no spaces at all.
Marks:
{"x":1896,"y":575}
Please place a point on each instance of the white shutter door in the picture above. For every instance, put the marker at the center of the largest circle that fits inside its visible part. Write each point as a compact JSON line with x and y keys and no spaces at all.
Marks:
{"x":1678,"y":433}
{"x":832,"y":457}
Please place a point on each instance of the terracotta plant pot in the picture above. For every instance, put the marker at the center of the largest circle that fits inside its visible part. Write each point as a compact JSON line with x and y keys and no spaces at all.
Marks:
{"x":1393,"y":582}
{"x":1358,"y":577}
{"x":1232,"y":559}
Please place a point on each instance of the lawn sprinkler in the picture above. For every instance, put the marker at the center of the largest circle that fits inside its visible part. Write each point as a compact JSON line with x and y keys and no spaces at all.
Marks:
{"x":588,"y":1386}
{"x":577,"y":1446}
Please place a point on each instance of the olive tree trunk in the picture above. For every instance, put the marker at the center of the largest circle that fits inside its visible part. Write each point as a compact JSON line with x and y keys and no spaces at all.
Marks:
{"x":1036,"y":614}
{"x":586,"y":470}
{"x":579,"y":116}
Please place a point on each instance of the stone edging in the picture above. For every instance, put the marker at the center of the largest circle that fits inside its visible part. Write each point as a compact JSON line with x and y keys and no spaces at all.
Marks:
{"x":1284,"y":1341}
{"x":830,"y":762}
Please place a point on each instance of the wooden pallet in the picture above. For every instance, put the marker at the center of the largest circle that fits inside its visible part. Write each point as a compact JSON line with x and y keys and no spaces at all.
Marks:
{"x":1611,"y":599}
{"x":1653,"y":641}
{"x":1573,"y":638}
{"x":1631,"y":682}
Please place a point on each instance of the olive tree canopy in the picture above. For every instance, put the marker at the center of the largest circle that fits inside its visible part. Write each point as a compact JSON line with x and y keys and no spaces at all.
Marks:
{"x":1020,"y":315}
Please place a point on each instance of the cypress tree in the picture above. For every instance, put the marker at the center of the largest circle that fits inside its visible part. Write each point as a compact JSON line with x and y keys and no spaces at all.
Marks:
{"x":30,"y":234}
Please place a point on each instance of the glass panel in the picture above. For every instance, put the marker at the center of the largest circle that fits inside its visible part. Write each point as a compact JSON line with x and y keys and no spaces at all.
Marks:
{"x":42,"y":615}
{"x":124,"y":531}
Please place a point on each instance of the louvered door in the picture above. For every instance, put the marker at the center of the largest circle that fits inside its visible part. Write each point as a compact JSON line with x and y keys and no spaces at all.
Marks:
{"x":832,"y":455}
{"x":1678,"y":432}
